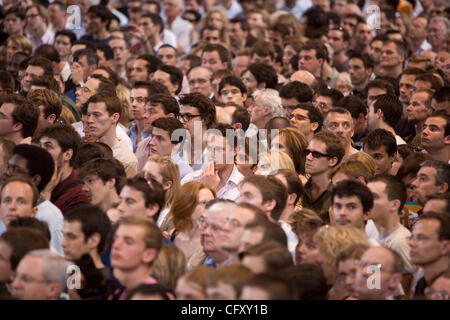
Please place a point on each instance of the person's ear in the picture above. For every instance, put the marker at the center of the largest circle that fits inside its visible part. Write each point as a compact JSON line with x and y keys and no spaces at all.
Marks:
{"x":36,"y":179}
{"x":443,"y":187}
{"x":269,"y":205}
{"x":111,"y":183}
{"x":53,"y":289}
{"x":116,"y":117}
{"x":94,"y":240}
{"x":149,"y":255}
{"x":167,"y":185}
{"x":238,"y":126}
{"x":152,"y":210}
{"x":314,"y":126}
{"x":51,"y":118}
{"x":17,"y":127}
{"x":332,"y":162}
{"x":67,"y":155}
{"x":395,"y":280}
{"x":380,"y":114}
{"x":395,"y":205}
{"x":244,"y":97}
{"x":34,"y":211}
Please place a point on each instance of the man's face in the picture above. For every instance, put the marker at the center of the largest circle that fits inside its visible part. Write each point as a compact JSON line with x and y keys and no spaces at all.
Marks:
{"x":251,"y":194}
{"x":406,"y":88}
{"x":375,"y":51}
{"x":390,"y":58}
{"x":34,"y":20}
{"x":29,"y":282}
{"x":349,"y":211}
{"x":7,"y":125}
{"x":55,"y":14}
{"x":132,"y":202}
{"x":219,"y":151}
{"x":189,"y":290}
{"x":373,"y":257}
{"x":14,"y":25}
{"x":336,"y":40}
{"x":164,"y":78}
{"x":192,"y":115}
{"x":347,"y":271}
{"x":440,"y":288}
{"x":168,"y":56}
{"x":87,"y":69}
{"x":17,"y":165}
{"x":436,"y":33}
{"x":315,"y":166}
{"x":94,"y":24}
{"x":128,"y":250}
{"x":17,"y":201}
{"x":96,"y":190}
{"x":212,"y":61}
{"x":99,"y":120}
{"x":300,"y":120}
{"x":251,"y":237}
{"x":152,"y":111}
{"x":121,"y":52}
{"x":171,"y":8}
{"x":433,"y":134}
{"x":138,"y":71}
{"x":213,"y":234}
{"x":308,"y":61}
{"x":147,"y":25}
{"x":381,"y":203}
{"x":440,"y":59}
{"x":383,"y":161}
{"x":418,"y":29}
{"x":341,"y":125}
{"x":256,"y":19}
{"x":63,"y":45}
{"x":323,"y":104}
{"x":236,"y":35}
{"x":74,"y":243}
{"x":417,"y":109}
{"x":240,"y":63}
{"x":373,"y":120}
{"x":53,"y":147}
{"x":357,"y":71}
{"x":373,"y":93}
{"x":260,"y":59}
{"x":232,"y":93}
{"x":200,"y":81}
{"x":138,"y":99}
{"x":425,"y":185}
{"x":425,"y":246}
{"x":363,"y":34}
{"x":211,"y":36}
{"x":235,"y":225}
{"x":160,"y":143}
{"x":250,"y":82}
{"x":31,"y":73}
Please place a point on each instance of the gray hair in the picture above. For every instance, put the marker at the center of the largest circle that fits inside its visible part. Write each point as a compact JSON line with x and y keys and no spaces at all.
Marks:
{"x":54,"y":268}
{"x":222,"y":206}
{"x":200,"y":67}
{"x":444,"y":20}
{"x":442,"y":170}
{"x":270,"y":98}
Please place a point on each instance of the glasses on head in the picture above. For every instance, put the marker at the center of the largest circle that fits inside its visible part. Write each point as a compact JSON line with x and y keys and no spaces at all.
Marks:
{"x":317,"y":154}
{"x":187,"y":116}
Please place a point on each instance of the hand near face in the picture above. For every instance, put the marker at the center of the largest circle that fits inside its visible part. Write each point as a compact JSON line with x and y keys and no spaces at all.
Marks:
{"x":77,"y":73}
{"x":210,"y":176}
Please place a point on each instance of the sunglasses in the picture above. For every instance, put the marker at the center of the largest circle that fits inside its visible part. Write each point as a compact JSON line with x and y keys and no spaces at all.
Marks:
{"x":317,"y":154}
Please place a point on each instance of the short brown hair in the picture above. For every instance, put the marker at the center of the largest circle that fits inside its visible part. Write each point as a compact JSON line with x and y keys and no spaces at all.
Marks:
{"x":112,"y":103}
{"x":23,"y":113}
{"x":354,"y":169}
{"x":152,"y":235}
{"x":334,"y":146}
{"x":47,"y":98}
{"x":224,"y":53}
{"x":276,"y":256}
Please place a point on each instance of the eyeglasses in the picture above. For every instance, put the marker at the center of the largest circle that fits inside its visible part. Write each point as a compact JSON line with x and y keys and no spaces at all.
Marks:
{"x":317,"y":154}
{"x":442,"y":295}
{"x":187,"y":116}
{"x":86,"y":89}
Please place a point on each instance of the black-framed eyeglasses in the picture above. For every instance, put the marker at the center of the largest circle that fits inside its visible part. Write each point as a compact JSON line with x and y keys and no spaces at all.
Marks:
{"x":317,"y":154}
{"x":187,"y":116}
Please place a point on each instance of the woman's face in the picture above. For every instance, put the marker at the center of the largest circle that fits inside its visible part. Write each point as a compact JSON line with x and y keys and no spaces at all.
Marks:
{"x":63,"y":46}
{"x":288,"y":53}
{"x":306,"y":251}
{"x":11,"y":49}
{"x":215,"y":20}
{"x":204,"y":195}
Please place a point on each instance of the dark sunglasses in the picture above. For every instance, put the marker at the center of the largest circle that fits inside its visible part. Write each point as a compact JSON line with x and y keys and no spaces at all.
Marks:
{"x":317,"y":154}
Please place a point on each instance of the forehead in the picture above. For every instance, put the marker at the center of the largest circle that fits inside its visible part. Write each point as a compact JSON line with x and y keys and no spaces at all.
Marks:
{"x":19,"y":189}
{"x":301,"y":112}
{"x":49,"y":140}
{"x":429,"y":226}
{"x":211,"y":54}
{"x":356,"y":61}
{"x":428,"y":171}
{"x":7,"y":108}
{"x":159,"y":132}
{"x":117,"y":42}
{"x":35,"y":69}
{"x":166,"y":50}
{"x":93,"y":83}
{"x":187,"y":108}
{"x":249,"y":187}
{"x":377,"y":255}
{"x":30,"y":265}
{"x":74,"y":226}
{"x":381,"y":149}
{"x":97,"y":106}
{"x":62,"y":37}
{"x":335,"y":33}
{"x":338,"y":117}
{"x":131,"y":192}
{"x":437,"y":121}
{"x":139,"y":63}
{"x":129,"y":230}
{"x":346,"y":200}
{"x":317,"y":145}
{"x":377,"y":44}
{"x":377,"y":187}
{"x":422,"y":96}
{"x":389,"y":46}
{"x":311,"y":52}
{"x":407,"y":78}
{"x":199,"y":72}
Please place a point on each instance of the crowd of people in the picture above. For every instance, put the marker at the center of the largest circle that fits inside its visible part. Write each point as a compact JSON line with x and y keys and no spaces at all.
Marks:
{"x":225,"y":149}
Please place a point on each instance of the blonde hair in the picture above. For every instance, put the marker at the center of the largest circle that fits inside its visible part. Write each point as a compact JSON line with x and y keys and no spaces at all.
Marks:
{"x":224,"y":17}
{"x":366,"y":159}
{"x":170,"y":172}
{"x":331,"y":240}
{"x":297,"y":144}
{"x":169,"y":266}
{"x":277,"y":160}
{"x":21,"y":41}
{"x":123,"y":93}
{"x":67,"y":115}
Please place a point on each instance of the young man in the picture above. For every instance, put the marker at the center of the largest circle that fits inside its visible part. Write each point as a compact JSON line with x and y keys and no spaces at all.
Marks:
{"x":358,"y":110}
{"x":430,"y":248}
{"x":121,"y":54}
{"x":338,"y":39}
{"x":140,"y":199}
{"x":62,"y":142}
{"x":381,"y":145}
{"x":406,"y":86}
{"x":295,"y":92}
{"x":86,"y":230}
{"x":363,"y":35}
{"x":37,"y":164}
{"x":15,"y":21}
{"x":433,"y":178}
{"x":18,"y":119}
{"x":389,"y":196}
{"x":215,"y":57}
{"x":312,"y":57}
{"x":232,"y":89}
{"x":171,"y":77}
{"x":103,"y":115}
{"x":158,"y":106}
{"x":340,"y":122}
{"x":385,"y":114}
{"x":221,"y":173}
{"x":436,"y":136}
{"x":360,"y":68}
{"x":36,"y":28}
{"x":103,"y":180}
{"x":46,"y":285}
{"x":326,"y":99}
{"x":351,"y":204}
{"x":393,"y":55}
{"x":49,"y":105}
{"x":266,"y":192}
{"x":97,"y":23}
{"x":142,"y":68}
{"x":307,"y":119}
{"x":325,"y":151}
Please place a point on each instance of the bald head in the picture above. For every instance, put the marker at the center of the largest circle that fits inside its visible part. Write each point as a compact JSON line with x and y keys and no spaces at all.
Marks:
{"x":305,"y":77}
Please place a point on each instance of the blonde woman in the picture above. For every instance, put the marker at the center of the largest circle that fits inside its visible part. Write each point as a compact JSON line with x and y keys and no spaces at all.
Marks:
{"x":17,"y":43}
{"x":165,"y":171}
{"x":169,"y":266}
{"x":270,"y":162}
{"x":218,"y":18}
